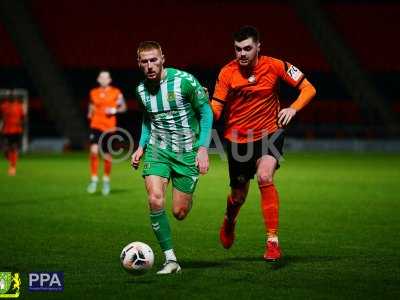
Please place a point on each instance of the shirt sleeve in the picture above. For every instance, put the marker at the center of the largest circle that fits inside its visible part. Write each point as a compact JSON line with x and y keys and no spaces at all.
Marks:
{"x":138,"y":98}
{"x":146,"y":129}
{"x":288,"y":72}
{"x":195,"y":92}
{"x":206,"y":119}
{"x":221,"y":90}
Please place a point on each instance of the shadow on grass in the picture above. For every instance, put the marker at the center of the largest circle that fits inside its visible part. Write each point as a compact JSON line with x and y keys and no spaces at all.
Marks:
{"x":246,"y":258}
{"x":299,"y":259}
{"x":114,"y":191}
{"x":140,"y":280}
{"x":119,"y":191}
{"x":186,"y":265}
{"x":200,"y":264}
{"x":302,"y":259}
{"x":274,"y":265}
{"x":288,"y":260}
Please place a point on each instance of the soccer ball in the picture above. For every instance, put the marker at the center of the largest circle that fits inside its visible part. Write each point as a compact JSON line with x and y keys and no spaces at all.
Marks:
{"x":137,"y":258}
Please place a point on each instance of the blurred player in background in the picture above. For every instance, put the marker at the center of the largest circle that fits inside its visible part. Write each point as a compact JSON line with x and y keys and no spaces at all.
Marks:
{"x":175,"y":136}
{"x":105,"y":102}
{"x":12,"y":113}
{"x":247,"y":89}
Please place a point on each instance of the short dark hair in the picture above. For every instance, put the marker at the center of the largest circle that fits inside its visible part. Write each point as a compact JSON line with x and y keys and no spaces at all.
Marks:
{"x":246,"y":32}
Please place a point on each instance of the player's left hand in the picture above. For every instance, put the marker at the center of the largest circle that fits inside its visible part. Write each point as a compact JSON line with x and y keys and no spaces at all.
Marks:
{"x":285,"y":115}
{"x":202,"y":160}
{"x":110,"y":111}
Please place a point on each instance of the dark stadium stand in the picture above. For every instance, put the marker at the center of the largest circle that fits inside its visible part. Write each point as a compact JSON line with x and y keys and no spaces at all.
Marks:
{"x":85,"y":36}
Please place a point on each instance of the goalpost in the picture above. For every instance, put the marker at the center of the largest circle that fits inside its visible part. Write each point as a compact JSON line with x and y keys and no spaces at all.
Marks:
{"x":23,"y":95}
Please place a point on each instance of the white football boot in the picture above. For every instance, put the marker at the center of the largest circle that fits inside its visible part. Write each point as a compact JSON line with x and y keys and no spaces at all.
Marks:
{"x":91,"y":189}
{"x":106,"y":188}
{"x":170,"y":267}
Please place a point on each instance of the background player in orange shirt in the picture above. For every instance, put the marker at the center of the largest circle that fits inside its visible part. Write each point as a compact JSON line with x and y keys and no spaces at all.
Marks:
{"x":105,"y":102}
{"x":246,"y":90}
{"x":12,"y":111}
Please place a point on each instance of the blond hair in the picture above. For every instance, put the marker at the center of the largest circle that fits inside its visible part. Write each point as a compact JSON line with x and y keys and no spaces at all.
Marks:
{"x":148,"y":45}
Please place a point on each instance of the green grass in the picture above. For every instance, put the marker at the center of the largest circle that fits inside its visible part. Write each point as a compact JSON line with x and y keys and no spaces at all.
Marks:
{"x":339,"y":231}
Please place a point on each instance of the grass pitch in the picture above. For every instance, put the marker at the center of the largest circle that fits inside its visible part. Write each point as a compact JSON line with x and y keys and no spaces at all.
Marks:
{"x":339,"y":231}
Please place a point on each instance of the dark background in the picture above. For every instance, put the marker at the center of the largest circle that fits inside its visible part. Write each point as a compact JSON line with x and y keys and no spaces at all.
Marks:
{"x":85,"y":36}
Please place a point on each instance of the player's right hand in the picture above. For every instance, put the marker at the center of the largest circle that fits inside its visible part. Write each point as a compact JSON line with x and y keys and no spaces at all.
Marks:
{"x":202,"y":162}
{"x":285,"y":115}
{"x":110,"y":111}
{"x":136,"y":156}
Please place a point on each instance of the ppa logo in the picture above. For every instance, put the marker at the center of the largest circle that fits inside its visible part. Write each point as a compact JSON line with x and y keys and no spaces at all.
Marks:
{"x":46,"y":281}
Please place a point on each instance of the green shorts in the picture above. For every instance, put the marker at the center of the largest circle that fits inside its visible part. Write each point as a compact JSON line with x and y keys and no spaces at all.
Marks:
{"x":180,"y":167}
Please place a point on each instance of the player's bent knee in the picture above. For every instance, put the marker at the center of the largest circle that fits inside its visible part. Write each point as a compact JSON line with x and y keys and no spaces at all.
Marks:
{"x":180,"y":213}
{"x":156,"y":201}
{"x":94,"y":149}
{"x":238,"y":197}
{"x":265,"y":179}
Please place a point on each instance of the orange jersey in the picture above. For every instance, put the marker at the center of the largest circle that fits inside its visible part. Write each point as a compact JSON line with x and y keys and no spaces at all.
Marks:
{"x":103,"y":99}
{"x":251,"y":103}
{"x":13,"y":115}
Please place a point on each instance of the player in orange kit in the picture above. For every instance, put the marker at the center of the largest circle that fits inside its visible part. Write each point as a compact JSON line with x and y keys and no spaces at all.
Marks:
{"x":12,"y":112}
{"x":246,"y":90}
{"x":105,"y":102}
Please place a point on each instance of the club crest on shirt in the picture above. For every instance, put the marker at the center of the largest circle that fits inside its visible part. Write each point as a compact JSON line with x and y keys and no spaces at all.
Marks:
{"x":171,"y":96}
{"x":251,"y":79}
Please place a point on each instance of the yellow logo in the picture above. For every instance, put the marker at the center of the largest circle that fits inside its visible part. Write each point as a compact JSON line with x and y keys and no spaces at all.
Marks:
{"x":171,"y":96}
{"x":10,"y":285}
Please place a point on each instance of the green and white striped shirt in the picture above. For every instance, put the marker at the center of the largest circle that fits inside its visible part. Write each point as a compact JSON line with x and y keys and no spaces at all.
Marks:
{"x":172,"y":110}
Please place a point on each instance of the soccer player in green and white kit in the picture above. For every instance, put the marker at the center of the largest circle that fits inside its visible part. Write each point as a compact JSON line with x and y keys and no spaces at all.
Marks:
{"x":176,"y":132}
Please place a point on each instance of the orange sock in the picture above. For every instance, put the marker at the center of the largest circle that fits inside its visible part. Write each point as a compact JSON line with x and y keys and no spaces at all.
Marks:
{"x":94,"y":164}
{"x":13,"y":157}
{"x":107,"y":167}
{"x":232,"y":209}
{"x":270,"y":208}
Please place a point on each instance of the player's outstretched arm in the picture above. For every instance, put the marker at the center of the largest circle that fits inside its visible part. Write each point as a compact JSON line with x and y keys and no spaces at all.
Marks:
{"x":307,"y":92}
